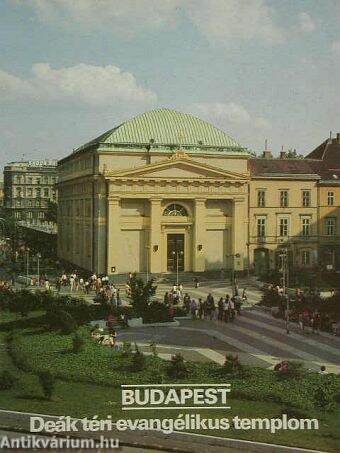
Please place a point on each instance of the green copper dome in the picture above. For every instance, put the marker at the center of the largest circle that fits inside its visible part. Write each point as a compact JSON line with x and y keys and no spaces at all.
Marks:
{"x":166,"y":129}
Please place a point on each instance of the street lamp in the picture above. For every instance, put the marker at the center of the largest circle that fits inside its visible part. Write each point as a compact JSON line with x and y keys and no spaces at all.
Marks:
{"x":27,"y":264}
{"x":285,"y":273}
{"x":176,"y":254}
{"x":147,"y":247}
{"x":235,"y":255}
{"x":38,"y":266}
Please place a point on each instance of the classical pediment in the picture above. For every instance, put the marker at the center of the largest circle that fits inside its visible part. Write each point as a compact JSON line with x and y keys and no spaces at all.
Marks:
{"x":177,"y":168}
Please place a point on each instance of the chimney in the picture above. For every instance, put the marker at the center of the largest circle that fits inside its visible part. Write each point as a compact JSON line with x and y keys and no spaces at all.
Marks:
{"x":330,"y":138}
{"x":266,"y":153}
{"x":338,"y":138}
{"x":282,"y":153}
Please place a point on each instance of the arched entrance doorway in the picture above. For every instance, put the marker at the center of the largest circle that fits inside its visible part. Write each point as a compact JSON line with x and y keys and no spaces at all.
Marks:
{"x":261,"y":261}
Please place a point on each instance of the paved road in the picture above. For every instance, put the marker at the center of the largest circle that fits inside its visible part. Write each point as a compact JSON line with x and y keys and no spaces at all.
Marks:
{"x":257,"y":338}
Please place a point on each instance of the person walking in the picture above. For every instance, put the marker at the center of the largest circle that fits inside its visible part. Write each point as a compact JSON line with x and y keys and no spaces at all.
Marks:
{"x":316,"y":321}
{"x":200,"y":308}
{"x":193,"y":308}
{"x":226,"y":309}
{"x":210,"y":306}
{"x":231,"y":308}
{"x":220,"y":308}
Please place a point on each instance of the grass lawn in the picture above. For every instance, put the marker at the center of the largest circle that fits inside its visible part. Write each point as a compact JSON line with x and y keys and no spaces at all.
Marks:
{"x":100,"y":371}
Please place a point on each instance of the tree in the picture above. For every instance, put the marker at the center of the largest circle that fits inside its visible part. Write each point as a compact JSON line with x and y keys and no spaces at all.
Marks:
{"x":12,"y":231}
{"x":47,"y":382}
{"x":141,"y":293}
{"x":292,"y":154}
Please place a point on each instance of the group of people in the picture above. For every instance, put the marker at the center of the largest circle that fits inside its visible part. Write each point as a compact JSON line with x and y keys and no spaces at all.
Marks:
{"x":225,"y":310}
{"x":101,"y":284}
{"x":306,"y":309}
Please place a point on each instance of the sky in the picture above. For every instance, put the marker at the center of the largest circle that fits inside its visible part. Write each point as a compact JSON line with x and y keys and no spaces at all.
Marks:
{"x":257,"y":69}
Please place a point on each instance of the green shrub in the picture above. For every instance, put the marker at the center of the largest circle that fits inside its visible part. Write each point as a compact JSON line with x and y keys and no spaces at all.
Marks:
{"x":326,"y":392}
{"x":156,"y":312}
{"x":7,"y":380}
{"x":177,"y":368}
{"x":231,"y":365}
{"x":77,"y":343}
{"x":60,"y":320}
{"x":47,"y":382}
{"x":138,"y":361}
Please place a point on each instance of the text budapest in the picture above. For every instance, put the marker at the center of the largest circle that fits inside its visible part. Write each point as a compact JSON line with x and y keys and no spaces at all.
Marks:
{"x":175,"y":396}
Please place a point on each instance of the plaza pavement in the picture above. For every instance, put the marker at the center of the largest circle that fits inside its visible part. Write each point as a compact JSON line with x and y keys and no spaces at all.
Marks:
{"x":255,"y":336}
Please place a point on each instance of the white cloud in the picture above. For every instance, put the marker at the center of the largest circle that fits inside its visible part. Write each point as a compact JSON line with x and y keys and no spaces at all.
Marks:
{"x":234,"y":19}
{"x":217,"y":20}
{"x":224,"y":114}
{"x":125,"y":17}
{"x":335,"y":47}
{"x":95,"y":85}
{"x":306,"y":22}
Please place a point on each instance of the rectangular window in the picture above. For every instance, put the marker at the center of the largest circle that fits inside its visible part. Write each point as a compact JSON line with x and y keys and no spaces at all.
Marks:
{"x":330,"y":226}
{"x":41,"y":215}
{"x":283,"y":227}
{"x":46,"y":192}
{"x":261,"y":198}
{"x":29,"y":215}
{"x":330,"y":198}
{"x":283,"y":198}
{"x":306,"y":227}
{"x":17,"y":215}
{"x":306,"y":198}
{"x":305,"y":257}
{"x":261,"y":227}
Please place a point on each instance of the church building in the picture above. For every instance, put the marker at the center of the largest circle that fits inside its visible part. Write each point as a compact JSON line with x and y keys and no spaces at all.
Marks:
{"x":160,"y":192}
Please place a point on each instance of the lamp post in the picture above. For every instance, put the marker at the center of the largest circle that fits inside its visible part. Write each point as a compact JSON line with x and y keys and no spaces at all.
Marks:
{"x":176,"y":254}
{"x":38,"y":266}
{"x":285,"y":276}
{"x":27,"y":264}
{"x":147,"y":247}
{"x":235,"y":255}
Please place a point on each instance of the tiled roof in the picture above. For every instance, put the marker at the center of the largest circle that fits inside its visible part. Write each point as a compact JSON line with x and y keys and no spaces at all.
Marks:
{"x":262,"y":167}
{"x":328,"y":152}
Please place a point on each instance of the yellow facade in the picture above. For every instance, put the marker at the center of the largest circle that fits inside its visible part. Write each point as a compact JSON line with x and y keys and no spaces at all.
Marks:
{"x":273,"y":226}
{"x":329,"y":223}
{"x":116,"y":221}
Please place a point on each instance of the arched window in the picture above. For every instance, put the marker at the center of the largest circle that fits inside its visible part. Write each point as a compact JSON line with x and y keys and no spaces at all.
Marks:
{"x":175,"y":210}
